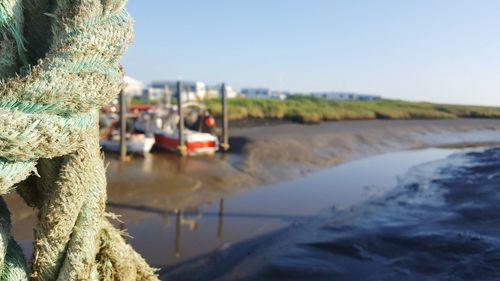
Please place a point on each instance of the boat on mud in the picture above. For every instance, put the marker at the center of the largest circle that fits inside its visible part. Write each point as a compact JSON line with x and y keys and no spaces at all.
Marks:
{"x":149,"y":125}
{"x":195,"y":143}
{"x":136,"y":144}
{"x":198,"y":136}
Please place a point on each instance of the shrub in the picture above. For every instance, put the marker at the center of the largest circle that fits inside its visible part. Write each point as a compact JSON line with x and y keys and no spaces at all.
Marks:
{"x":314,"y":110}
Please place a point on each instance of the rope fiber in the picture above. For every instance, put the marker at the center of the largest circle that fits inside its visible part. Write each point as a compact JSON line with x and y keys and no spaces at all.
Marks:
{"x":59,"y":64}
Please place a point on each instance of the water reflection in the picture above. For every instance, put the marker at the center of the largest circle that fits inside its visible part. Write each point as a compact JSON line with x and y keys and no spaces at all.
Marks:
{"x":209,"y":218}
{"x":220,"y":228}
{"x":162,"y":180}
{"x":191,"y":218}
{"x":177,"y":210}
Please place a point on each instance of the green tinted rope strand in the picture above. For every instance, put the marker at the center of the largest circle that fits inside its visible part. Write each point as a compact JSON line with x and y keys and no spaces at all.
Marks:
{"x":49,"y":149}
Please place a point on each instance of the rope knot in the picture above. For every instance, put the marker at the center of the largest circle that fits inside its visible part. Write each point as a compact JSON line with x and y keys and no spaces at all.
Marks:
{"x":59,"y":65}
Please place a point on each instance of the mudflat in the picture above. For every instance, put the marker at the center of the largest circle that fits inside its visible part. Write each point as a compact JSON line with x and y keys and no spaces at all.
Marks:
{"x":271,"y":154}
{"x":160,"y":182}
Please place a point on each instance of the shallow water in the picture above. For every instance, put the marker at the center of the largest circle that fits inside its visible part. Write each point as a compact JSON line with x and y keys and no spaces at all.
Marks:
{"x":168,"y":236}
{"x":439,"y":222}
{"x":174,"y":219}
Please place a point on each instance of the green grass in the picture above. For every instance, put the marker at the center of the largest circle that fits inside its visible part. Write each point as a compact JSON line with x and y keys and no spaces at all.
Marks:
{"x":313,"y":110}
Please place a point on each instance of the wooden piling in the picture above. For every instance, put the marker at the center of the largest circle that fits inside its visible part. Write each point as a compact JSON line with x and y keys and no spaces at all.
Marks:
{"x":182,"y":147}
{"x":225,"y":119}
{"x":123,"y":127}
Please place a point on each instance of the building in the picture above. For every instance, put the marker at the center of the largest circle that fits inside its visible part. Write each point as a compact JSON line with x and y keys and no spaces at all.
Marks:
{"x":166,"y":90}
{"x":214,"y":92}
{"x":262,"y":93}
{"x":343,"y":96}
{"x":132,"y":88}
{"x":279,"y":95}
{"x":154,"y":95}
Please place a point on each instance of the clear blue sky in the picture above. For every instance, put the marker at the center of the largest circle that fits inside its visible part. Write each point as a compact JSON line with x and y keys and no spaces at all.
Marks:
{"x":430,"y":50}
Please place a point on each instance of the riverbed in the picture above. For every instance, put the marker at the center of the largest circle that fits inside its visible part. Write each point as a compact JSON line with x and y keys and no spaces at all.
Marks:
{"x":181,"y":213}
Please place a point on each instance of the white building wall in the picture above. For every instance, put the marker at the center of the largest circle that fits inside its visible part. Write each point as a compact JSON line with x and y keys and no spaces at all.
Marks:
{"x":132,"y":88}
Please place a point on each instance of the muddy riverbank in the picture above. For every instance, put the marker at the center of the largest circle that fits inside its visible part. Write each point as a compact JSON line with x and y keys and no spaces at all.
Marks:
{"x":161,"y":193}
{"x":271,"y":154}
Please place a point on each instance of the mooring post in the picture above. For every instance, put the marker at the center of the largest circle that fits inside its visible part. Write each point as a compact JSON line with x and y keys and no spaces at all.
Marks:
{"x":225,"y":120}
{"x":123,"y":127}
{"x":182,"y":147}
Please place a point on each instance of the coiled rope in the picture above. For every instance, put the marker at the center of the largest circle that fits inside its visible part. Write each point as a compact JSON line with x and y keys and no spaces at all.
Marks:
{"x":59,"y":64}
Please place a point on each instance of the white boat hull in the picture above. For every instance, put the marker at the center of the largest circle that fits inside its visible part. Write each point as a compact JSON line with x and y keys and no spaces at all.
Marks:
{"x":141,"y":146}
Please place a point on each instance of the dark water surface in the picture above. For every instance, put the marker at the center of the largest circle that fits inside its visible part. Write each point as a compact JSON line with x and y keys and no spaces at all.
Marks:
{"x":183,"y":228}
{"x":439,"y":222}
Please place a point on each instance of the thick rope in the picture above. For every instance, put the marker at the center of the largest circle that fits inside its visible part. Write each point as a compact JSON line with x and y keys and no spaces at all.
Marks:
{"x":59,"y":64}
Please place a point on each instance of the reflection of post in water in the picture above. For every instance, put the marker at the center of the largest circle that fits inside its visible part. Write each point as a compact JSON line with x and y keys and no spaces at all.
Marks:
{"x":191,"y":217}
{"x":177,"y":233}
{"x":182,"y":163}
{"x":180,"y":220}
{"x":223,"y":156}
{"x":165,"y":218}
{"x":220,"y":227}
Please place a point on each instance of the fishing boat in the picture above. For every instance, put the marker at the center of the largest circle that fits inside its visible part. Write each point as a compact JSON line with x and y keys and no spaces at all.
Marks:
{"x":198,"y":135}
{"x":136,"y":144}
{"x":196,"y":143}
